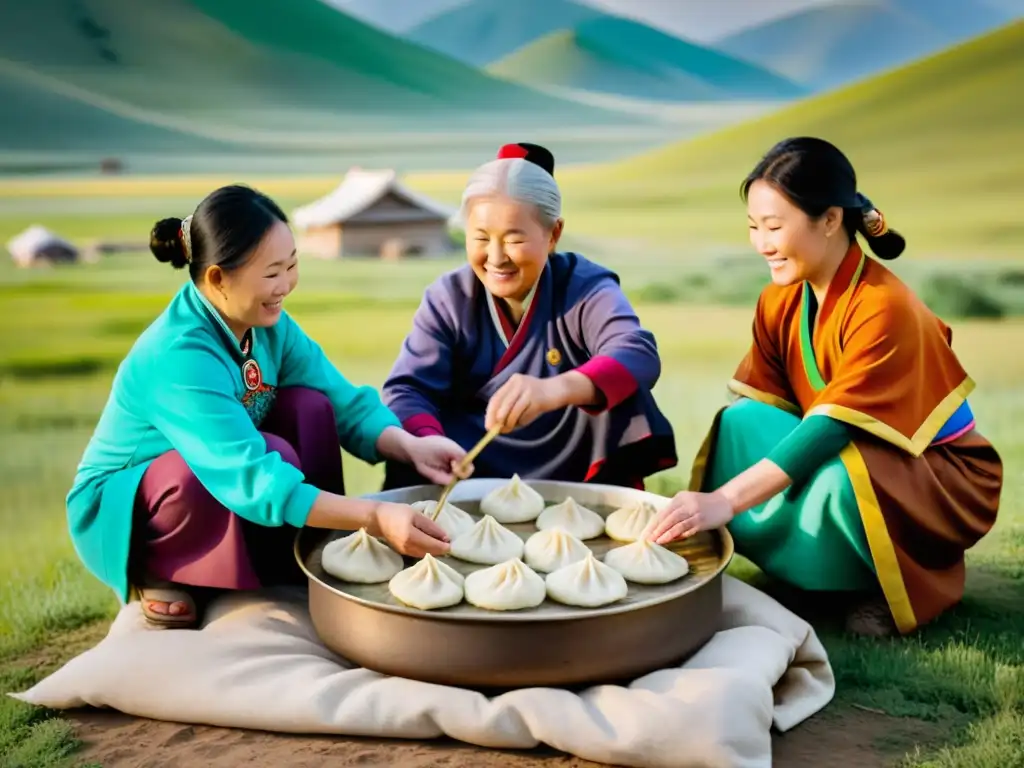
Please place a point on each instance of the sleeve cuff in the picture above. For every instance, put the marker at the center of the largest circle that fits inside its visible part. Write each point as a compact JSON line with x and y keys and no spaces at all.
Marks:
{"x":611,"y":378}
{"x":422,"y":425}
{"x":297,"y":508}
{"x":377,"y":422}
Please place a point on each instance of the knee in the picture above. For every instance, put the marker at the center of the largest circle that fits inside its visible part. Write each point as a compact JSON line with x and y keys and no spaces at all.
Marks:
{"x":170,"y":494}
{"x":746,"y":413}
{"x":283,"y":447}
{"x":296,"y":400}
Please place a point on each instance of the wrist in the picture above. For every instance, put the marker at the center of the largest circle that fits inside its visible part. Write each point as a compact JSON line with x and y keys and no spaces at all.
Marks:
{"x":572,"y":388}
{"x":395,"y":443}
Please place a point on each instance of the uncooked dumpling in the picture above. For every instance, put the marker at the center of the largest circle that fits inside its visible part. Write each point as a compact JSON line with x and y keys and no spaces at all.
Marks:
{"x":361,"y":559}
{"x":581,"y":522}
{"x":554,"y":548}
{"x":644,"y":562}
{"x":487,"y":542}
{"x":630,"y":522}
{"x":452,"y":519}
{"x":508,"y":586}
{"x":587,"y":583}
{"x":429,"y":584}
{"x":514,"y":502}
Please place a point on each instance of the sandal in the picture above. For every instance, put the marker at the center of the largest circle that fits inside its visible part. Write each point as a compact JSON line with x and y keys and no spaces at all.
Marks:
{"x":168,"y":594}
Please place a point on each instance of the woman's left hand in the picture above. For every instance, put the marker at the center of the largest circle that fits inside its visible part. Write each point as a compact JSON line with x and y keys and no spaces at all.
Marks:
{"x":522,"y":399}
{"x":689,"y":513}
{"x":437,"y":458}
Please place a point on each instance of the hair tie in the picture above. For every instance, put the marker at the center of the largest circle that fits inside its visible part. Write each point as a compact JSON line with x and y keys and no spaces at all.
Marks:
{"x":874,"y":221}
{"x":531,"y":153}
{"x":185,"y":233}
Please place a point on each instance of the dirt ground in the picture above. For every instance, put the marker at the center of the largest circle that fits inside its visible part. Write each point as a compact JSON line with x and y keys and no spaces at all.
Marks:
{"x":854,"y":739}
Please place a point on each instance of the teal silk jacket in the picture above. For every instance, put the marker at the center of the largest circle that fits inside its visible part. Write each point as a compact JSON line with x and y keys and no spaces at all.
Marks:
{"x":181,"y":387}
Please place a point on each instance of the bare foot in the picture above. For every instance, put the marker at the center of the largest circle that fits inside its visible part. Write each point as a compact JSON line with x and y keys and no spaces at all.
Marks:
{"x":871,"y":618}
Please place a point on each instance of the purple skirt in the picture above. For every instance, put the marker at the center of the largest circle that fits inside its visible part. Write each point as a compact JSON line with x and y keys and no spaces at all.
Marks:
{"x":183,"y":535}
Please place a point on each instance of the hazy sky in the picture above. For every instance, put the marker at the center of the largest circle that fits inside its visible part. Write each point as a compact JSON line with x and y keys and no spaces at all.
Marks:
{"x":698,"y":20}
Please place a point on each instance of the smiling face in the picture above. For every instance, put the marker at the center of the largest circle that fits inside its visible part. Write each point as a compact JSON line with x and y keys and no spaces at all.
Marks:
{"x":796,"y":246}
{"x":251,"y":295}
{"x":507,"y":245}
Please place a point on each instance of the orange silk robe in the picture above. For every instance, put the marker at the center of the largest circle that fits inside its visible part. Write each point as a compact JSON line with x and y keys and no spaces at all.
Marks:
{"x":879,"y":360}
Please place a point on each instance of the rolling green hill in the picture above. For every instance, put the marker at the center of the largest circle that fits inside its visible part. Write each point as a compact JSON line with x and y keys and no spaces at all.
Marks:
{"x":937,"y":145}
{"x":827,"y":45}
{"x":246,"y":72}
{"x":608,"y":54}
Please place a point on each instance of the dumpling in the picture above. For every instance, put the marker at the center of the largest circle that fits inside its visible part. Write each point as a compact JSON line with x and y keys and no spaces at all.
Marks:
{"x":508,"y":586}
{"x":644,"y":562}
{"x":630,"y":522}
{"x":452,"y":519}
{"x":571,"y":517}
{"x":488,"y":542}
{"x":429,"y":584}
{"x":361,"y":559}
{"x":553,"y":548}
{"x":514,"y":502}
{"x":587,"y":583}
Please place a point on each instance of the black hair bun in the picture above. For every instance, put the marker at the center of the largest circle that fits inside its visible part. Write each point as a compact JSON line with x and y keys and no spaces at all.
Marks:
{"x":532,"y":153}
{"x":888,"y":246}
{"x":165,"y":243}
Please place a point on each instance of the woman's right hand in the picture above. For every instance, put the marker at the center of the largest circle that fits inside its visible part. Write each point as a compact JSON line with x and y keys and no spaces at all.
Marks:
{"x":410,"y":532}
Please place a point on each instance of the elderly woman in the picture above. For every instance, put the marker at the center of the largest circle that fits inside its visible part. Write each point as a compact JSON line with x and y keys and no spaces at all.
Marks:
{"x":221,"y":435}
{"x":851,"y":462}
{"x":541,"y":342}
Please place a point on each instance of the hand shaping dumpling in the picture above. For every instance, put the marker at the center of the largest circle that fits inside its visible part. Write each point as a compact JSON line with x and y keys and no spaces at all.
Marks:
{"x":644,"y":562}
{"x":508,"y":586}
{"x":361,"y":559}
{"x":630,"y":522}
{"x":429,"y":584}
{"x":587,"y":583}
{"x":571,"y":517}
{"x":487,"y":542}
{"x":552,"y":549}
{"x":452,"y":519}
{"x":515,"y":502}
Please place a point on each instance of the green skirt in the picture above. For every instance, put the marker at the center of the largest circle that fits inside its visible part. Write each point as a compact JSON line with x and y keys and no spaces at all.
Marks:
{"x":812,"y":536}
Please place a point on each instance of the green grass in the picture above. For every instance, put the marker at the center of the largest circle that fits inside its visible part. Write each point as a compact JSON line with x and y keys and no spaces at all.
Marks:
{"x":624,"y":57}
{"x":67,"y":329}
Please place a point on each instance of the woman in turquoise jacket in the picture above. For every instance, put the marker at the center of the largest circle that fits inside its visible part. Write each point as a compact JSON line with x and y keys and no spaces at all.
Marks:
{"x":221,"y":434}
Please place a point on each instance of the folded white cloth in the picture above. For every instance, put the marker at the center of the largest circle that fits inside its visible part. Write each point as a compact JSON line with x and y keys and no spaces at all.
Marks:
{"x":257,"y":664}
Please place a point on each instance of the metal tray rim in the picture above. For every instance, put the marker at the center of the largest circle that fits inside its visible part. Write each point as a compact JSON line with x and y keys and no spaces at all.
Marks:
{"x":569,"y":613}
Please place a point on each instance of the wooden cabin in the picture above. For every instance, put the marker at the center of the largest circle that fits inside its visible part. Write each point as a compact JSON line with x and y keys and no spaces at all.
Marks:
{"x":372,"y":214}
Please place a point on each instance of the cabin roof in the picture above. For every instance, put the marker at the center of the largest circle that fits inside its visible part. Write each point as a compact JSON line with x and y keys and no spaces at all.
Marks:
{"x":25,"y":247}
{"x":358,"y":191}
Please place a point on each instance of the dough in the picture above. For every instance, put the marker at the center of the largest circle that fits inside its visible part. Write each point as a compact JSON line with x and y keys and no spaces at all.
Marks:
{"x":452,"y":519}
{"x":361,"y":559}
{"x":514,"y":502}
{"x":488,"y":542}
{"x":644,"y":562}
{"x":553,"y":548}
{"x":587,"y":583}
{"x":429,"y":584}
{"x":571,"y":517}
{"x":631,"y":521}
{"x":508,"y":586}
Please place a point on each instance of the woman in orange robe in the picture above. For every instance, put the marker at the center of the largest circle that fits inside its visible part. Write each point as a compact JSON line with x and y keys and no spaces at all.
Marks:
{"x":851,"y":461}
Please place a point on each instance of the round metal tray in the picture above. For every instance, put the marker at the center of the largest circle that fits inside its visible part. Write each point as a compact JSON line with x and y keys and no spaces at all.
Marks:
{"x":550,"y":645}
